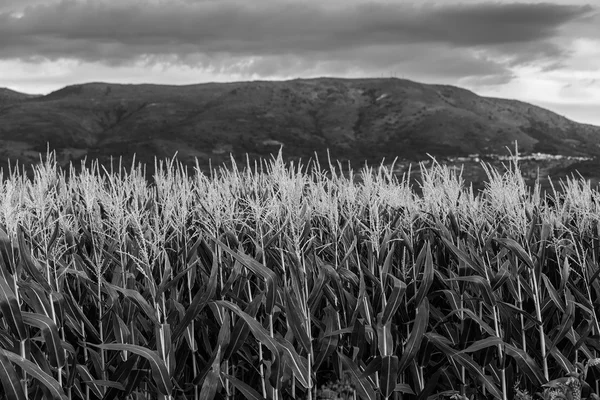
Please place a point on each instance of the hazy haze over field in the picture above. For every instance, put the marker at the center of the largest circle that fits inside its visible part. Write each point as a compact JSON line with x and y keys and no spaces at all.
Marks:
{"x":544,"y":53}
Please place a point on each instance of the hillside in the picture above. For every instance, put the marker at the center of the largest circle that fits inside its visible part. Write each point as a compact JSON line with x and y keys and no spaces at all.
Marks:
{"x":356,"y":119}
{"x":8,"y":96}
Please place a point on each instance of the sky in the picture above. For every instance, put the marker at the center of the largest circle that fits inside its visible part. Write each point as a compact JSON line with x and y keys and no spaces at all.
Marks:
{"x":545,"y":53}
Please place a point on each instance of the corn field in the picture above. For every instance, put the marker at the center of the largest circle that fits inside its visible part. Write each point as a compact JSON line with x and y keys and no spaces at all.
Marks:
{"x":276,"y":281}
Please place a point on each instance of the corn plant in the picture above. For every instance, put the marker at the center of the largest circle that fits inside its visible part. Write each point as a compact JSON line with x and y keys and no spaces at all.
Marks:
{"x":282,"y":280}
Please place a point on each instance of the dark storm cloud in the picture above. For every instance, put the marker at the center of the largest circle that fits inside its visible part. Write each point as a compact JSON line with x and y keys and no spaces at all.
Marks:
{"x":212,"y":32}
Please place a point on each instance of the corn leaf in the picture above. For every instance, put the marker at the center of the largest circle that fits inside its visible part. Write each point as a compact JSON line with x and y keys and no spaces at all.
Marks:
{"x":11,"y":311}
{"x":55,"y":351}
{"x":416,"y":335}
{"x":32,"y":369}
{"x":160,"y":373}
{"x":389,"y":375}
{"x":526,"y":363}
{"x":11,"y":384}
{"x":243,"y":387}
{"x":362,"y":384}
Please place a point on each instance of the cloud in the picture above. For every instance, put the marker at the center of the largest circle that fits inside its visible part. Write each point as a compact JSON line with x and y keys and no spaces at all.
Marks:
{"x":16,"y":5}
{"x":268,"y":37}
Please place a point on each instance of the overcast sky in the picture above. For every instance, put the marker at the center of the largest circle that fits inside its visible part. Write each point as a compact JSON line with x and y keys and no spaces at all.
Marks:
{"x":544,"y":53}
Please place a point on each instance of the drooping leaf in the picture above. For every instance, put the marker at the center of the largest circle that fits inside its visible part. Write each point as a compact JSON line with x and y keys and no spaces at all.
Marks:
{"x":475,"y":371}
{"x":32,"y":369}
{"x":11,"y":384}
{"x":160,"y":373}
{"x":483,"y":343}
{"x":241,"y":330}
{"x":362,"y":385}
{"x":517,"y":249}
{"x":298,"y":363}
{"x":526,"y":363}
{"x":88,"y":379}
{"x":54,"y":349}
{"x":243,"y":387}
{"x":259,"y":269}
{"x":259,"y":332}
{"x":29,"y":264}
{"x":137,"y":299}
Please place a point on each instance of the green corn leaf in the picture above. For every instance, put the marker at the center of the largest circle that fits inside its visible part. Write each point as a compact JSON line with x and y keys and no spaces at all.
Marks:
{"x":199,"y":301}
{"x":35,"y":297}
{"x":244,"y":388}
{"x":108,"y":384}
{"x":389,"y":375}
{"x":137,"y":299}
{"x":298,"y":363}
{"x":501,"y":277}
{"x":54,"y":349}
{"x":225,"y":332}
{"x":553,"y":294}
{"x":568,"y":318}
{"x":32,"y":369}
{"x":259,"y":269}
{"x":163,"y":341}
{"x":295,"y":317}
{"x":404,"y":388}
{"x":211,"y":382}
{"x":475,"y":370}
{"x":362,"y":384}
{"x":385,"y":342}
{"x":168,"y":283}
{"x":160,"y":374}
{"x":75,"y":312}
{"x":517,"y":249}
{"x":88,"y":379}
{"x":560,"y":358}
{"x":428,"y":274}
{"x":372,"y":367}
{"x":11,"y":384}
{"x":125,"y":376}
{"x":29,"y":264}
{"x":395,"y":299}
{"x":464,"y":257}
{"x":9,"y":305}
{"x":256,"y":328}
{"x":120,"y":329}
{"x":482,"y":283}
{"x":430,"y":384}
{"x":329,"y":342}
{"x":416,"y":336}
{"x":483,"y":344}
{"x":526,"y":363}
{"x":241,"y":330}
{"x":388,"y":261}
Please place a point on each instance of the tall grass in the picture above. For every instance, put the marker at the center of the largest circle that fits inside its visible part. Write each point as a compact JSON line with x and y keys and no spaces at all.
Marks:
{"x":272,"y":280}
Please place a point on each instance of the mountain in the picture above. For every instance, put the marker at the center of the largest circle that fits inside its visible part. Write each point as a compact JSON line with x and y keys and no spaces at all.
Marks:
{"x":356,"y":119}
{"x":8,"y":96}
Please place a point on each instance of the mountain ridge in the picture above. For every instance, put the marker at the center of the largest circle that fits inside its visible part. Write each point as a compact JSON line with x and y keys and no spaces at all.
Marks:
{"x":358,"y":120}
